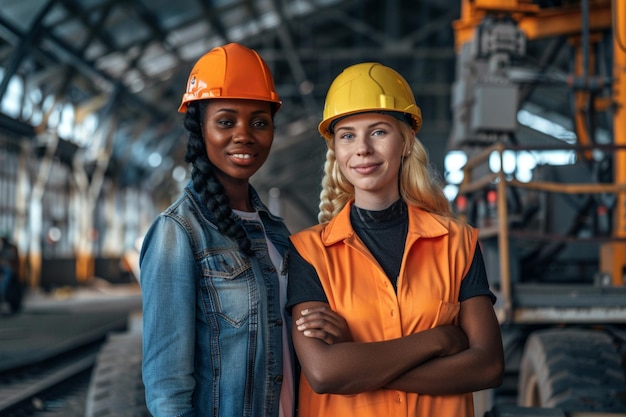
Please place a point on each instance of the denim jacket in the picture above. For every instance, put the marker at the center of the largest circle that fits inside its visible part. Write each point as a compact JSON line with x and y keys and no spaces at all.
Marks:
{"x":211,"y":315}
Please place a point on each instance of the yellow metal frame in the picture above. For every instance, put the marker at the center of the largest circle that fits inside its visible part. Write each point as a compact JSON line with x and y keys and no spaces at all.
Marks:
{"x":535,"y":22}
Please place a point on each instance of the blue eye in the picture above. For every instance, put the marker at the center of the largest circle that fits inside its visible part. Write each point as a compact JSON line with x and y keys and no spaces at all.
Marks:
{"x":346,"y":136}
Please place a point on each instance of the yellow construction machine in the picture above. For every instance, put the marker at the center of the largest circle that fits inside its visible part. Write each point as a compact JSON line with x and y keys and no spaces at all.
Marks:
{"x":539,"y":113}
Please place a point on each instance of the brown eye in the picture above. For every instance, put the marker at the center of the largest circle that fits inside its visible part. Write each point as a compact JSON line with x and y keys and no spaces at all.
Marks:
{"x":260,"y":124}
{"x":225,"y":123}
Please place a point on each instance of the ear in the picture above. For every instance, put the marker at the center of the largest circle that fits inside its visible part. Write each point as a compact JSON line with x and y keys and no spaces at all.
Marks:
{"x":407,"y":150}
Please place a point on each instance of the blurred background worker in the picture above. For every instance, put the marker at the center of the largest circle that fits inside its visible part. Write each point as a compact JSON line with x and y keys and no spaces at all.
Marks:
{"x":10,"y":285}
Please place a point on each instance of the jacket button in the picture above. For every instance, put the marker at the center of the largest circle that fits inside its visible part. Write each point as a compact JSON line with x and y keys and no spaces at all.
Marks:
{"x":278,"y":378}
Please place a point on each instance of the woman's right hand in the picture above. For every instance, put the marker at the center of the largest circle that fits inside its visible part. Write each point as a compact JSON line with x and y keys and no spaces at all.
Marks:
{"x":322,"y":323}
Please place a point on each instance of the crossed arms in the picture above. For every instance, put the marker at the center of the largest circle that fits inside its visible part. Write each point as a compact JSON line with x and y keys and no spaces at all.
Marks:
{"x":439,"y":361}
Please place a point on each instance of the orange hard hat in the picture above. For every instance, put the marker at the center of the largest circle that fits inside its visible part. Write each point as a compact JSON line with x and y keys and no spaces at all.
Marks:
{"x":230,"y":71}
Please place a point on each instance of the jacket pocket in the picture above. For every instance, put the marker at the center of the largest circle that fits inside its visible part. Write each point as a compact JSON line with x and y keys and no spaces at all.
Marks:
{"x":228,"y":286}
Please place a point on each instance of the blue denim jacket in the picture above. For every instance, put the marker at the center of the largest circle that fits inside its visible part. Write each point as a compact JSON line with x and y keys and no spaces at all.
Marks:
{"x":211,"y":315}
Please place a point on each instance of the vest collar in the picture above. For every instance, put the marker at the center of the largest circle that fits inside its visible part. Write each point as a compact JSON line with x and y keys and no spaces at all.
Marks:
{"x":421,"y":224}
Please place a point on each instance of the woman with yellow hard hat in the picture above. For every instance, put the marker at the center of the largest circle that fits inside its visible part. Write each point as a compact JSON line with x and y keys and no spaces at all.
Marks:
{"x":389,"y":258}
{"x":216,"y":340}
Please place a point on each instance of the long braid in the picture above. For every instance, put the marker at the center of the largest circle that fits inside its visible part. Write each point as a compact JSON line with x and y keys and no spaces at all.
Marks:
{"x":336,"y":191}
{"x":206,"y":184}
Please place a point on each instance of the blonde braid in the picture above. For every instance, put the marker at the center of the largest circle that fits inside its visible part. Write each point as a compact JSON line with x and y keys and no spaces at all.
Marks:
{"x":336,"y":191}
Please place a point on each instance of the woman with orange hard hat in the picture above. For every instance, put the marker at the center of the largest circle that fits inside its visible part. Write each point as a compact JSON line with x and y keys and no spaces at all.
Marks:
{"x":216,"y":341}
{"x":389,"y":258}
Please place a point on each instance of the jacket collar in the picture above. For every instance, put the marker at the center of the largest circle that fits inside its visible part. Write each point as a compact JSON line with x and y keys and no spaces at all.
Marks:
{"x":255,"y":200}
{"x":421,"y":224}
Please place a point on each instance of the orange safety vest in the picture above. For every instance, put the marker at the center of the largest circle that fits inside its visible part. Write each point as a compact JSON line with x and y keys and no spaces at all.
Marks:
{"x":437,"y":255}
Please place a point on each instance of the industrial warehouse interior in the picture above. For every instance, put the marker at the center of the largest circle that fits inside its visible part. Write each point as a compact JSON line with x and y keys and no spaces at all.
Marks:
{"x":524,"y":121}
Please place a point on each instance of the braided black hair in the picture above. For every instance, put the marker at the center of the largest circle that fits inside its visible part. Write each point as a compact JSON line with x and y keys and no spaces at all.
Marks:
{"x":206,"y":184}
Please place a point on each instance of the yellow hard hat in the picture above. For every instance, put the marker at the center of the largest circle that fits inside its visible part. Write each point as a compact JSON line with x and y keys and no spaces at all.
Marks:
{"x":230,"y":71}
{"x":366,"y":87}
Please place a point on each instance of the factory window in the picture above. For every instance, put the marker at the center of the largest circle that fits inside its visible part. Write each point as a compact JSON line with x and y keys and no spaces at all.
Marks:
{"x":12,"y":100}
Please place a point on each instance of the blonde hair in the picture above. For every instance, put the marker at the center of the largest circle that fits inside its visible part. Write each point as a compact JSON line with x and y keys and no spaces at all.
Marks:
{"x":417,"y":181}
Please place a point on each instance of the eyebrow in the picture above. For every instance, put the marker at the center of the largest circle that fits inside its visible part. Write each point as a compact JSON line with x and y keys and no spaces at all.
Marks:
{"x":229,"y":110}
{"x":380,"y":122}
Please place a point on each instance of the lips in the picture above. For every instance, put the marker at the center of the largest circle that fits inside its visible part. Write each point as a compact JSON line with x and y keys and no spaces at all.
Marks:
{"x":242,"y":153}
{"x":365,"y":168}
{"x":243,"y":158}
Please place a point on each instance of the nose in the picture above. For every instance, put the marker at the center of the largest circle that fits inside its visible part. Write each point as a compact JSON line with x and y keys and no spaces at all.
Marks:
{"x":242,"y":134}
{"x":363,"y":146}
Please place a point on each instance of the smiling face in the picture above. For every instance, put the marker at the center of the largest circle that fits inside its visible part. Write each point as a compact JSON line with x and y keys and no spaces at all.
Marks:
{"x":369,"y":150}
{"x":238,"y":135}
